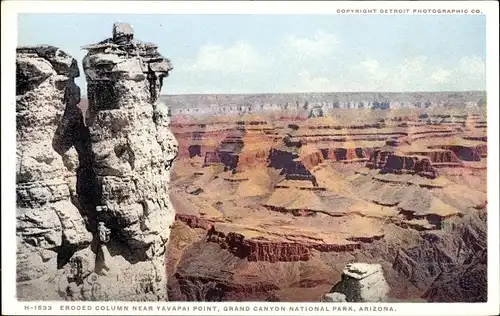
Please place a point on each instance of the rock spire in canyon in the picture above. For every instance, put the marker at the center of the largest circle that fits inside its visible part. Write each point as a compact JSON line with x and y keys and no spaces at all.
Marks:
{"x":93,"y":208}
{"x":132,"y":151}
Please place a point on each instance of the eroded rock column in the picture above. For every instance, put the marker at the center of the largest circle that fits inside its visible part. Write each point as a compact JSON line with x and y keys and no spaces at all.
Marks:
{"x":51,"y":232}
{"x":132,"y":152}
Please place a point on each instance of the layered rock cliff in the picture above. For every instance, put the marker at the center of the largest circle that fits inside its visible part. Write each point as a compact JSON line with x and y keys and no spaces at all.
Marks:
{"x":312,"y":202}
{"x":93,"y":212}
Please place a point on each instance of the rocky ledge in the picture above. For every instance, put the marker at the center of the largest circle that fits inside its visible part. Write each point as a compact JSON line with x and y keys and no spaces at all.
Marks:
{"x":93,"y":208}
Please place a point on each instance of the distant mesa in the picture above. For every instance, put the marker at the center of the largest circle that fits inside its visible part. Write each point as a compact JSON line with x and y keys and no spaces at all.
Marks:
{"x":303,"y":105}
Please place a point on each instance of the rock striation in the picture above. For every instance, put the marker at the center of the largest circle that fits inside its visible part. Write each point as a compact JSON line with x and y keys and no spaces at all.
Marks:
{"x":93,"y":209}
{"x":313,"y":202}
{"x":361,"y":282}
{"x":256,"y":250}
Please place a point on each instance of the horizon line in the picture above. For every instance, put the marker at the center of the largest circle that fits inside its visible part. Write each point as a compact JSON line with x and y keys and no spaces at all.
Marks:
{"x":325,"y":92}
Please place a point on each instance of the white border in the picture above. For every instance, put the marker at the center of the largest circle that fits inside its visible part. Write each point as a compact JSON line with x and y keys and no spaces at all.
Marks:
{"x":9,"y":12}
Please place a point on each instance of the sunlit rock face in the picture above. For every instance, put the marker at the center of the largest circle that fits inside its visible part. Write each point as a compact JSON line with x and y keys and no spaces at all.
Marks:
{"x":132,"y":150}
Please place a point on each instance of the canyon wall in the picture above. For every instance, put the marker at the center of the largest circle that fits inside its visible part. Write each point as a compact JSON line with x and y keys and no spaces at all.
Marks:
{"x":93,"y":208}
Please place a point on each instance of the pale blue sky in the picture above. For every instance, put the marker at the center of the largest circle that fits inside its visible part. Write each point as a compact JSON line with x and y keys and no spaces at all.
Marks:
{"x":289,"y":53}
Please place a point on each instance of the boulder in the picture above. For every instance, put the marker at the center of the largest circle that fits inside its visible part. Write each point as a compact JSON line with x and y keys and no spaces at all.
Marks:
{"x":361,"y":282}
{"x":122,"y":31}
{"x":334,"y":297}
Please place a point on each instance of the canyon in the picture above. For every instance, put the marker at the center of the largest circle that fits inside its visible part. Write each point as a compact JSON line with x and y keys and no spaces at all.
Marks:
{"x":128,"y":194}
{"x":275,"y":195}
